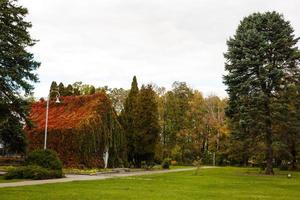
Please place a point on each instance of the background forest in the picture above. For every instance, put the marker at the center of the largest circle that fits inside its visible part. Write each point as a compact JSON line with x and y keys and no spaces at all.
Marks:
{"x":189,"y":127}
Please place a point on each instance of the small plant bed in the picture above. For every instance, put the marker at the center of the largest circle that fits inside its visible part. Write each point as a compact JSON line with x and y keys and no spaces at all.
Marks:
{"x":92,"y":171}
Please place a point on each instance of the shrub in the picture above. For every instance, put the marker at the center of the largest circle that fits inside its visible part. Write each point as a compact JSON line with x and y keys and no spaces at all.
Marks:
{"x":166,"y":163}
{"x":33,"y":172}
{"x":44,"y":158}
{"x":16,"y":173}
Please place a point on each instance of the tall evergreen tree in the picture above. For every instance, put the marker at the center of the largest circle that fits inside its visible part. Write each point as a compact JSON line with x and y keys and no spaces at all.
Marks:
{"x":129,"y":119}
{"x":261,"y":61}
{"x":69,"y":90}
{"x":53,"y":88}
{"x":17,"y":67}
{"x":61,"y":89}
{"x":147,"y":126}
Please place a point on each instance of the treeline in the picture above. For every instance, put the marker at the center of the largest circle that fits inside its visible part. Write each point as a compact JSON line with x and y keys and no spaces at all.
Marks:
{"x":258,"y":125}
{"x":180,"y":124}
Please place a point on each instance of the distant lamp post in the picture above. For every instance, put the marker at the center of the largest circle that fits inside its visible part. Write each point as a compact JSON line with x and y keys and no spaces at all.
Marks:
{"x":47,"y":111}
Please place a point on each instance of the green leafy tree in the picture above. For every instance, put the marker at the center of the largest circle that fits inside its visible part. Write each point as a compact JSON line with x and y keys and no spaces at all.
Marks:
{"x":288,"y":128}
{"x":92,"y":90}
{"x":175,"y":113}
{"x":147,"y":126}
{"x":76,"y":88}
{"x":17,"y":66}
{"x":261,"y":61}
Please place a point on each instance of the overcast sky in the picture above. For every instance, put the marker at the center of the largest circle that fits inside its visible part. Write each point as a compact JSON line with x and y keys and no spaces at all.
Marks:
{"x":106,"y":42}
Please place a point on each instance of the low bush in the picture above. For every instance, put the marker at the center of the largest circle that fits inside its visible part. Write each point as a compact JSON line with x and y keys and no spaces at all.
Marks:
{"x":44,"y":158}
{"x":166,"y":163}
{"x":33,"y":172}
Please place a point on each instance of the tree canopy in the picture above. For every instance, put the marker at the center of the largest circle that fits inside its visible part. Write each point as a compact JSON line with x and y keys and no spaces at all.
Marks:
{"x":17,"y":72}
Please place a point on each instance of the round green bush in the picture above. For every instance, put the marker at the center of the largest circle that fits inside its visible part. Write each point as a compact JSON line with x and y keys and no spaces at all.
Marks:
{"x":44,"y":158}
{"x":166,"y":163}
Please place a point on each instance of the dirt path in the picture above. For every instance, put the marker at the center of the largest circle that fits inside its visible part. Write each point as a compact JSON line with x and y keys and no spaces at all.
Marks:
{"x":70,"y":178}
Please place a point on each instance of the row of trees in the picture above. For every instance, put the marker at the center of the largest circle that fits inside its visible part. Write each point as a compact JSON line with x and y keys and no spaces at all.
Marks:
{"x":179,"y":124}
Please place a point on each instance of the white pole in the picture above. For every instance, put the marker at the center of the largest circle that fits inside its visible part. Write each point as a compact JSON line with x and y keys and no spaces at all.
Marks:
{"x":105,"y":157}
{"x":46,"y":123}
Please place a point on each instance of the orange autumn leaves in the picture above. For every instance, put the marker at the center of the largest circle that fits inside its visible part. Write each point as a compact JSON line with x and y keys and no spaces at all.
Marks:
{"x":68,"y":114}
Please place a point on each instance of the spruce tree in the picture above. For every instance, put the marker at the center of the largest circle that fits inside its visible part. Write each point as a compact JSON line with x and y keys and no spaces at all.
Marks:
{"x":17,"y":66}
{"x":61,"y":89}
{"x":261,"y":62}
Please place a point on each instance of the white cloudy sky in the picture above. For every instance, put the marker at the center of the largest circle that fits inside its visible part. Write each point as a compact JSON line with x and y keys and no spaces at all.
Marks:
{"x":106,"y":42}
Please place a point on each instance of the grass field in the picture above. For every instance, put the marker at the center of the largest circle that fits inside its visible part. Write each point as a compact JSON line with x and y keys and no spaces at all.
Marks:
{"x":215,"y":183}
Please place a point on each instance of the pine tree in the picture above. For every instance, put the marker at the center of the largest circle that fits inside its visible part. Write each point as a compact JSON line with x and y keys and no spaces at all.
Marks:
{"x":61,"y":89}
{"x":17,"y":66}
{"x":53,"y":88}
{"x":147,"y":126}
{"x":128,"y":119}
{"x":261,"y":62}
{"x":69,"y":90}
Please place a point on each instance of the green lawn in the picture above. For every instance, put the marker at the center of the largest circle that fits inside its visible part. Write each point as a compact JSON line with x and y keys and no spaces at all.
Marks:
{"x":216,"y":183}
